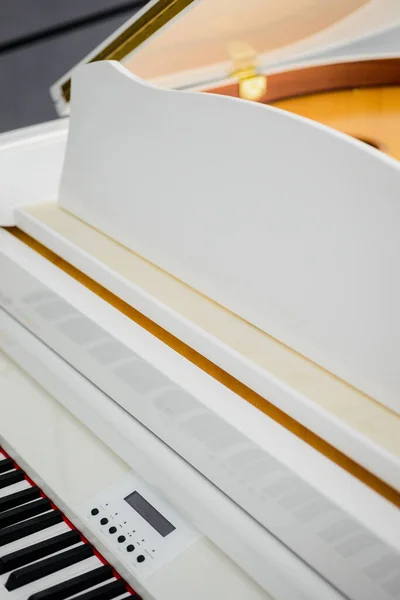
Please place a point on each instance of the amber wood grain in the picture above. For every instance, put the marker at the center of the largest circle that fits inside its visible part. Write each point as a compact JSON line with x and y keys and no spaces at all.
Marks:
{"x":372,"y":114}
{"x":217,"y":373}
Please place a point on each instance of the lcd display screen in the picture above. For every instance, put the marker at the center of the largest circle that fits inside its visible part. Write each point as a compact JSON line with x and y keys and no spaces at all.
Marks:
{"x":149,"y":514}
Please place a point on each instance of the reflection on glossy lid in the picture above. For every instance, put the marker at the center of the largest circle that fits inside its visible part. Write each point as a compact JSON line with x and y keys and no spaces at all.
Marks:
{"x":172,"y":37}
{"x":202,"y":36}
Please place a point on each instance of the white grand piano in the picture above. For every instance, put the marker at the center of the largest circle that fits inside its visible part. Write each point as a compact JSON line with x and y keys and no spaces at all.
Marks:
{"x":199,"y":322}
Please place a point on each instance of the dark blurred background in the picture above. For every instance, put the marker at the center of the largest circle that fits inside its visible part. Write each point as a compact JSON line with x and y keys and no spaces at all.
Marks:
{"x":40,"y":40}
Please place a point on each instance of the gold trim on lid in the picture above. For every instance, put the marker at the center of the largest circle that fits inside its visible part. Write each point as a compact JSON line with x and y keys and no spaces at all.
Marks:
{"x":131,"y":38}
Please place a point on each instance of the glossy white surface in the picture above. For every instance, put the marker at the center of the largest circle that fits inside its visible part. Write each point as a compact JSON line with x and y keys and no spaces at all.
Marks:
{"x":310,"y":404}
{"x":28,"y":275}
{"x":61,"y":453}
{"x":361,"y":428}
{"x":223,"y":465}
{"x":155,"y":529}
{"x":90,"y":466}
{"x":285,"y":244}
{"x":30,"y":166}
{"x":232,"y":530}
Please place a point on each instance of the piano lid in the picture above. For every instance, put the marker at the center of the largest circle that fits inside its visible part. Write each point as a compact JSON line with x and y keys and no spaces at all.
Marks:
{"x":199,"y":43}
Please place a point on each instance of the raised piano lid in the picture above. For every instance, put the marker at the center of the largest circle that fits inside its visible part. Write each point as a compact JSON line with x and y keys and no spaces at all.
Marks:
{"x":199,"y":44}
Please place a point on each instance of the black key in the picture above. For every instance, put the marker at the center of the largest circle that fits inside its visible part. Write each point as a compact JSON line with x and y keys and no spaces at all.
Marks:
{"x":15,"y":515}
{"x":10,"y":478}
{"x":74,"y":585}
{"x":21,"y":530}
{"x":19,"y":498}
{"x":105,"y":592}
{"x":6,"y":464}
{"x":47,"y":566}
{"x":23,"y":557}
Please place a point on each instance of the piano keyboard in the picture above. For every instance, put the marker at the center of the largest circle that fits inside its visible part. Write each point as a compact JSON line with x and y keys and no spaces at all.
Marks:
{"x":42,"y":555}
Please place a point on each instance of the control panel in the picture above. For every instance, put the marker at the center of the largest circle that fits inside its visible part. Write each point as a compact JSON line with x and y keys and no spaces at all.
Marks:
{"x":137,"y":524}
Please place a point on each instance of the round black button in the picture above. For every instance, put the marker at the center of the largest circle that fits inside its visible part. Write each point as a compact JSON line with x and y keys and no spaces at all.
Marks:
{"x":94,"y":511}
{"x":121,"y":538}
{"x":112,"y":530}
{"x":130,"y":548}
{"x":104,"y":521}
{"x":140,"y":558}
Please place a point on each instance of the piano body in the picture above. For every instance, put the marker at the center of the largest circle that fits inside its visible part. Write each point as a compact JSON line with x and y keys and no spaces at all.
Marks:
{"x":199,"y":325}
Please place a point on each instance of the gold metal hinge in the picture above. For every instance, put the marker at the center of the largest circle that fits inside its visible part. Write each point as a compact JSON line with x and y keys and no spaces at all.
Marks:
{"x":252,"y":85}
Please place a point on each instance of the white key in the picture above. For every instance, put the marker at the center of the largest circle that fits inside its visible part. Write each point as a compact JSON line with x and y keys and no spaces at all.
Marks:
{"x":16,"y":487}
{"x":39,"y":536}
{"x":45,"y":582}
{"x":124,"y":595}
